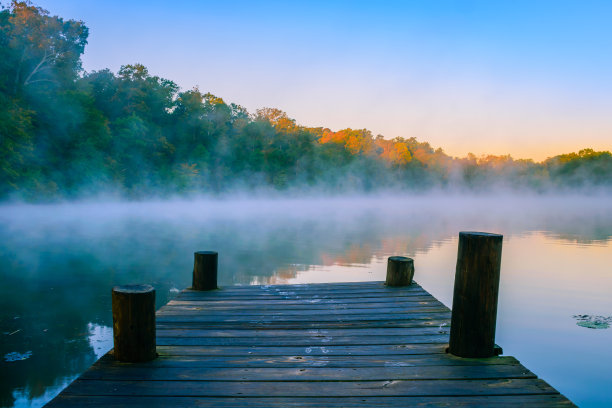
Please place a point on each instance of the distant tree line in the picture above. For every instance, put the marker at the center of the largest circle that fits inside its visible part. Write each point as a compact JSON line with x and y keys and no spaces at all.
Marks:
{"x":66,"y":133}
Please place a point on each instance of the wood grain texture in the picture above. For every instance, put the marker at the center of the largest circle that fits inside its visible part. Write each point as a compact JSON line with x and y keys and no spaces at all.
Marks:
{"x":123,"y":373}
{"x":475,"y":294}
{"x":134,"y":322}
{"x":205,"y":270}
{"x":400,"y":271}
{"x":243,"y":389}
{"x":320,"y":345}
{"x":518,"y":401}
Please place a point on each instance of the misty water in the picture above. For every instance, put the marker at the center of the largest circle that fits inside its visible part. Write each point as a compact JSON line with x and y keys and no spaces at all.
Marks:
{"x":58,"y":263}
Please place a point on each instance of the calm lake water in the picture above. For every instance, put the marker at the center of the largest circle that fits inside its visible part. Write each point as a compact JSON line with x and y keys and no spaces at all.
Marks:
{"x":59,"y":262}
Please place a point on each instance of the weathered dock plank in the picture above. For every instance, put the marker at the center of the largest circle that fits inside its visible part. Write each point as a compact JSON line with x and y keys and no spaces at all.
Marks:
{"x":317,"y":402}
{"x":118,"y":373}
{"x":317,"y":345}
{"x":310,"y":361}
{"x":308,"y":388}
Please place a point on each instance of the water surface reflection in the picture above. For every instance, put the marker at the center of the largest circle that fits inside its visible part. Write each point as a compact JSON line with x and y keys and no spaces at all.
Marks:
{"x":58,"y":263}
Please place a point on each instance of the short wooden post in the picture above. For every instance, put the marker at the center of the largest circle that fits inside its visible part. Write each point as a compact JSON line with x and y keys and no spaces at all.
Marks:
{"x":134,"y":323}
{"x":400,"y":271}
{"x":472,"y":331}
{"x":205,"y":270}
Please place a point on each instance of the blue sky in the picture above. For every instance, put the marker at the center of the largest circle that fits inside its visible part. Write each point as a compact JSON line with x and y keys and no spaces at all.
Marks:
{"x":529,"y":78}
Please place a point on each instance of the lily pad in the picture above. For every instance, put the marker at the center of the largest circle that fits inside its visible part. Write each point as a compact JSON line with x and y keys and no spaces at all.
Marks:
{"x":594,"y":325}
{"x":593,"y":322}
{"x":16,"y":356}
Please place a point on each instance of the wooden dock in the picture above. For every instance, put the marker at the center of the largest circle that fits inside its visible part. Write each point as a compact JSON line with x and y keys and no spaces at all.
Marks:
{"x":315,"y":345}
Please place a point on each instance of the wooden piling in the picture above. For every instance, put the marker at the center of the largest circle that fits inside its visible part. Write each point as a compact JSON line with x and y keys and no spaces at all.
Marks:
{"x":475,"y":295}
{"x":400,"y":271}
{"x":134,"y":323}
{"x":205,"y":270}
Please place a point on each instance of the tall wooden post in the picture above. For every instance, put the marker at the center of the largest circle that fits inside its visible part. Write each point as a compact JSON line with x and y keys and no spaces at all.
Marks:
{"x":472,"y":331}
{"x":134,"y":323}
{"x":205,"y":270}
{"x":400,"y":271}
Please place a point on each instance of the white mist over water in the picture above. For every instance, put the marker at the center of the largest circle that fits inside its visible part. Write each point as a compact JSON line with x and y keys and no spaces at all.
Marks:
{"x":59,"y":261}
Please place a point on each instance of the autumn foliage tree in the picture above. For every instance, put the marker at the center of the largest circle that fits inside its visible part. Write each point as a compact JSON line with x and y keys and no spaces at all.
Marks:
{"x":69,"y":133}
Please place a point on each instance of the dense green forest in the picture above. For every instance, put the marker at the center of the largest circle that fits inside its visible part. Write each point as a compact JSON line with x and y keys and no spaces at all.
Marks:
{"x":66,"y":133}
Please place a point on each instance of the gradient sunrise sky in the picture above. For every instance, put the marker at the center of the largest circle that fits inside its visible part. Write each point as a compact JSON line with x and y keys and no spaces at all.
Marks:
{"x":528,"y":78}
